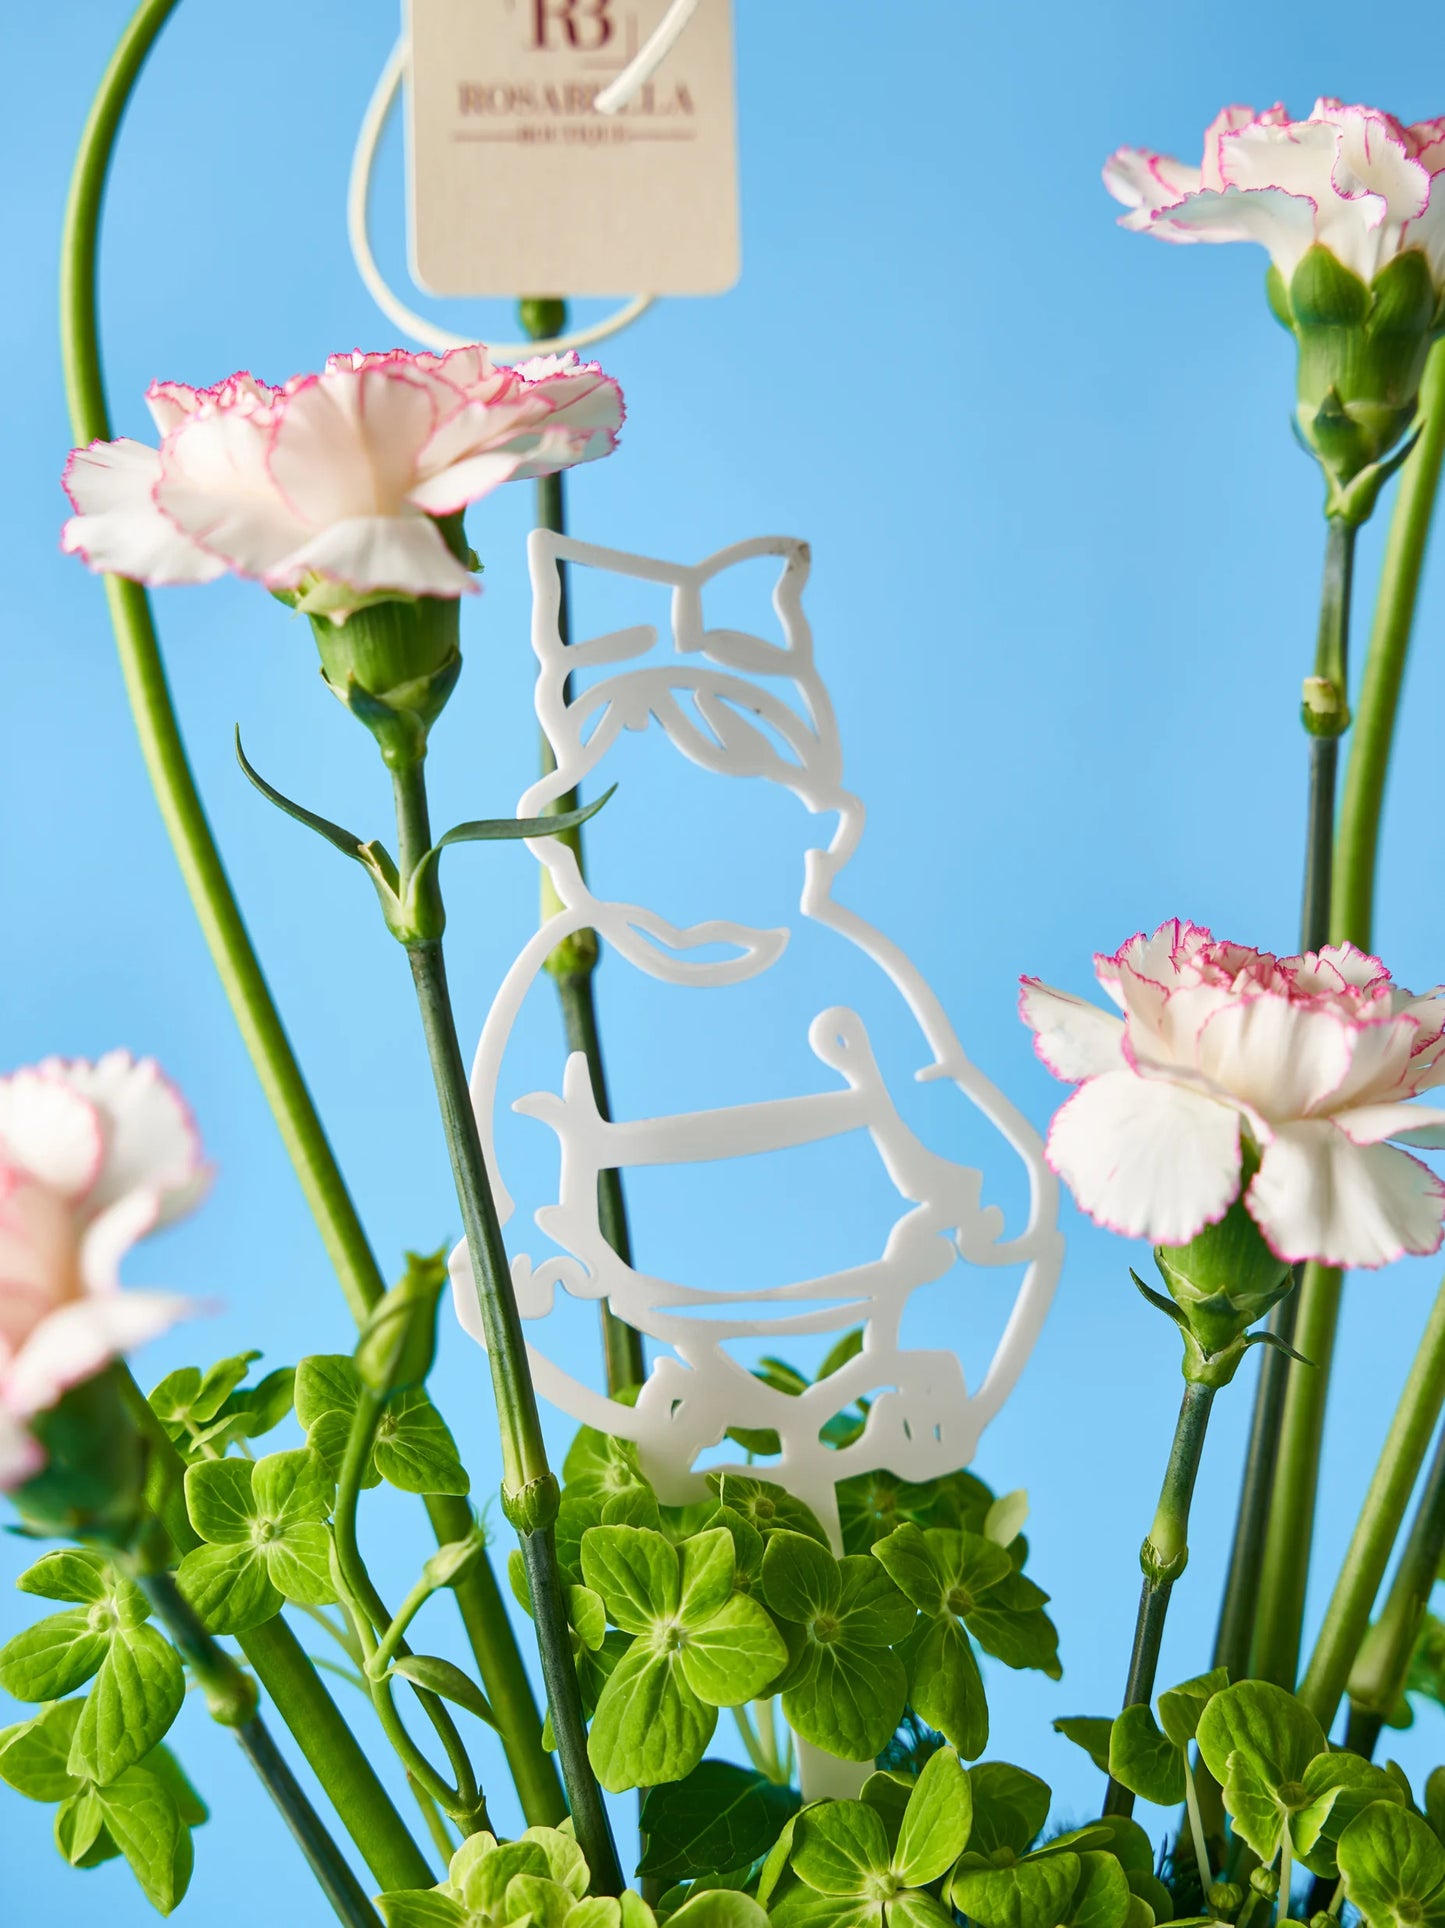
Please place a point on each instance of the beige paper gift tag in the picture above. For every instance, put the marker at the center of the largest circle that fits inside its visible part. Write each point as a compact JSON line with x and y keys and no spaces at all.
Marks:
{"x":519,"y":186}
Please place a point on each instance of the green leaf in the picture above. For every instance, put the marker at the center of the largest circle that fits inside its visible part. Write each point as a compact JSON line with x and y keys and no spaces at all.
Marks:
{"x":1353,"y":1784}
{"x":721,"y":1816}
{"x":1435,"y":1800}
{"x":34,"y":1755}
{"x":587,"y":1616}
{"x":1180,"y":1707}
{"x":838,"y":1845}
{"x":747,"y":1544}
{"x":888,"y":1791}
{"x":292,"y":1488}
{"x":733,"y":1657}
{"x":441,"y":1677}
{"x":915,"y":1909}
{"x":1393,"y":1868}
{"x":136,"y":1696}
{"x":1010,"y":1806}
{"x":535,"y":1899}
{"x":767,"y":1507}
{"x":649,"y":1725}
{"x":55,"y":1656}
{"x":1010,"y":1623}
{"x":218,"y":1384}
{"x":635,"y":1570}
{"x":346,"y":841}
{"x":1092,"y":1733}
{"x":849,"y":1700}
{"x":708,"y":1565}
{"x":911,"y":1562}
{"x":1144,"y":1760}
{"x":714,"y":1908}
{"x":946,"y":1688}
{"x":1256,"y":1740}
{"x":229,"y":1587}
{"x":872,"y":1609}
{"x":420,"y":1908}
{"x":936,"y":1822}
{"x":76,"y":1573}
{"x":80,"y":1831}
{"x":299,"y":1563}
{"x":414,"y":1449}
{"x":163,"y":1764}
{"x":326,"y":1382}
{"x":566,"y":1862}
{"x":507,"y":829}
{"x":257,"y":1409}
{"x":1034,"y":1894}
{"x":142,"y":1819}
{"x":1004,"y":1520}
{"x":1102,"y":1897}
{"x":800,"y":1578}
{"x":220,"y":1502}
{"x":846,"y":1348}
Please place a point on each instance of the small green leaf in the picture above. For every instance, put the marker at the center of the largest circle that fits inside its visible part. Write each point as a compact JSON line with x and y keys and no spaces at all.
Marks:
{"x":218,"y":1384}
{"x":849,"y":1701}
{"x":414,"y":1449}
{"x":635,"y":1570}
{"x":1180,"y":1707}
{"x":441,"y":1677}
{"x":1004,"y":1520}
{"x":1033,"y":1894}
{"x":713,"y":1908}
{"x":838,"y":1845}
{"x":55,"y":1656}
{"x":220,"y":1502}
{"x":566,"y":1862}
{"x":936,"y":1822}
{"x":848,"y":1347}
{"x":708,"y":1565}
{"x":1010,"y":1806}
{"x":946,"y":1688}
{"x":1091,"y":1732}
{"x":733,"y":1657}
{"x":507,"y":829}
{"x":1393,"y":1868}
{"x":299,"y":1563}
{"x":291,"y":1488}
{"x":80,"y":1831}
{"x":326,"y":1382}
{"x":346,"y":841}
{"x":136,"y":1696}
{"x":1102,"y":1898}
{"x":766,"y":1506}
{"x":1144,"y":1760}
{"x":76,"y":1573}
{"x":1257,"y":1740}
{"x":649,"y":1726}
{"x":800,"y":1578}
{"x":420,"y":1908}
{"x":142,"y":1819}
{"x":587,"y":1616}
{"x":229,"y":1587}
{"x":721,"y":1816}
{"x":453,"y":1560}
{"x":1353,"y":1784}
{"x":34,"y":1754}
{"x":536,"y":1900}
{"x":1435,"y":1800}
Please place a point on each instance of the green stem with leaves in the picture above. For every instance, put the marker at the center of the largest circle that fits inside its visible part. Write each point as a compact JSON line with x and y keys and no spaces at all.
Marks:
{"x":1163,"y":1557}
{"x":230,"y":1697}
{"x":572,"y":966}
{"x":479,"y":1598}
{"x":529,"y":1489}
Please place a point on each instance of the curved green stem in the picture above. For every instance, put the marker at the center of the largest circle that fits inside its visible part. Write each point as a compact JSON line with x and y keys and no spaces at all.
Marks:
{"x":529,"y":1492}
{"x":1163,"y":1559}
{"x":479,"y":1598}
{"x":231,"y":1700}
{"x":1348,"y":1614}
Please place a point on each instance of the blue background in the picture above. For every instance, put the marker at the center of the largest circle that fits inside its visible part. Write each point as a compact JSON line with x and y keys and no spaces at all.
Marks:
{"x":1066,"y":555}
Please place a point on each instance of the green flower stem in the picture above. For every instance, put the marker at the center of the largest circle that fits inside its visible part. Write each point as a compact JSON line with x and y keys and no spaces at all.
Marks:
{"x":1348,"y":1614}
{"x":281,"y":1665}
{"x":529,"y":1488}
{"x":1285,"y":1564}
{"x":231,"y":1700}
{"x":574,"y":962}
{"x":479,"y":1599}
{"x":1163,"y":1557}
{"x":370,"y":1616}
{"x":1377,"y":1679}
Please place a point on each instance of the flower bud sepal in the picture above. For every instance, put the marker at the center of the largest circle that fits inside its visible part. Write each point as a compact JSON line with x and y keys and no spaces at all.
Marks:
{"x":1362,"y":350}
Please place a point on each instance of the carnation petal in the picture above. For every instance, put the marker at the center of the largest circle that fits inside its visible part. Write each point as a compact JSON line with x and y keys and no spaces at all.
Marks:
{"x":1145,"y":1157}
{"x":1420,"y":1125}
{"x":1140,"y":178}
{"x":74,"y":1342}
{"x":119,"y":530}
{"x":21,"y":1456}
{"x":1074,"y":1038}
{"x":51,"y":1132}
{"x":1318,"y":1196}
{"x":151,"y":1140}
{"x":402,"y":552}
{"x":347,"y":444}
{"x":1281,"y":1056}
{"x":216,"y":485}
{"x":1277,"y":220}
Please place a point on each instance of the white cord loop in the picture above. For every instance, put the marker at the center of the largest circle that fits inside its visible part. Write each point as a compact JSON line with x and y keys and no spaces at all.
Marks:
{"x":417,"y":327}
{"x":658,"y":45}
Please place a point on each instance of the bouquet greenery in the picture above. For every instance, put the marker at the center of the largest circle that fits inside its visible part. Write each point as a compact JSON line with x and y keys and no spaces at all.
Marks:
{"x":1251,"y":1115}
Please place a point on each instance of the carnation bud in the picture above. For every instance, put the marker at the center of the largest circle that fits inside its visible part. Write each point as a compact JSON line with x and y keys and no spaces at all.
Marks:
{"x":92,"y":1486}
{"x":1224,"y":1900}
{"x":1362,"y":351}
{"x":398,"y":1342}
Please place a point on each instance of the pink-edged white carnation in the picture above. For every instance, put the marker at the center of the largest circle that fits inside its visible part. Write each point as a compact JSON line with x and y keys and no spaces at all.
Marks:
{"x":1353,"y":178}
{"x":336,"y":478}
{"x":92,"y":1158}
{"x":1315,"y":1058}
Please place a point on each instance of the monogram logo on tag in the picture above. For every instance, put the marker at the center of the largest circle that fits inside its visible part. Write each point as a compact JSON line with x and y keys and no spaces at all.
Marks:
{"x":586,"y":26}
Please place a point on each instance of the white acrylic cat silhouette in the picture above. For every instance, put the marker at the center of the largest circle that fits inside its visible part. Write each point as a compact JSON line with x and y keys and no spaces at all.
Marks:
{"x":923,"y":1420}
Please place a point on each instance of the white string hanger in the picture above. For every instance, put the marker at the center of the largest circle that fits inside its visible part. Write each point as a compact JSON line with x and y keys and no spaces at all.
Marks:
{"x":655,"y":49}
{"x":421,"y":328}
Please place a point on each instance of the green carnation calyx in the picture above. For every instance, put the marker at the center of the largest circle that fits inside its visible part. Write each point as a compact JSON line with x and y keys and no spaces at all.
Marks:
{"x":1362,"y":350}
